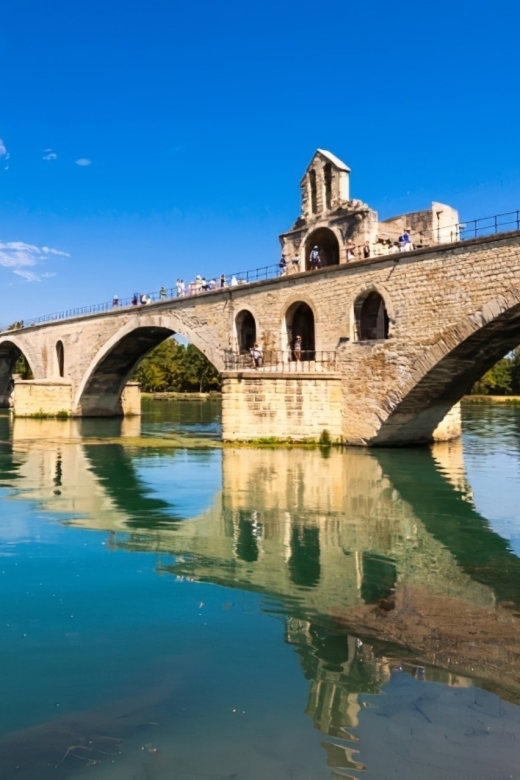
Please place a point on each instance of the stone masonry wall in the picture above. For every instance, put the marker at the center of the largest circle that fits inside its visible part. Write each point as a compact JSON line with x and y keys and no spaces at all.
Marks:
{"x":427,"y":293}
{"x":281,"y":406}
{"x":35,"y":397}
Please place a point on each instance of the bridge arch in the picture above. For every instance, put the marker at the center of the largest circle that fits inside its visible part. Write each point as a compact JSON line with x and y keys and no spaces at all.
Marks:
{"x":11,"y":348}
{"x":447,"y":371}
{"x":99,"y":392}
{"x":328,"y":244}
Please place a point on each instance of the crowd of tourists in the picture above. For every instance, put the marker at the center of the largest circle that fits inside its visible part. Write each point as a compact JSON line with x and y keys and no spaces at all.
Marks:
{"x":316,"y":261}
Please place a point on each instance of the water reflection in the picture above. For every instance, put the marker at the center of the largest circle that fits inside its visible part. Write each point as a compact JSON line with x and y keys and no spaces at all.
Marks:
{"x":376,"y":563}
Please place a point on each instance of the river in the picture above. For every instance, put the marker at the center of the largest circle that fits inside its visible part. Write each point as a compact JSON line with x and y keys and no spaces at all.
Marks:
{"x":172,"y":609}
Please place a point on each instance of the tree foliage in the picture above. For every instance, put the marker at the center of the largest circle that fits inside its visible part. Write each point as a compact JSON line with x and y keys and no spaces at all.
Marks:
{"x":23,"y":368}
{"x":502,"y":379}
{"x":171,"y":367}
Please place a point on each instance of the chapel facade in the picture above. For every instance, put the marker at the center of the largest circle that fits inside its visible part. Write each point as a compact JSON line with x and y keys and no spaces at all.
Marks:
{"x":342,"y":228}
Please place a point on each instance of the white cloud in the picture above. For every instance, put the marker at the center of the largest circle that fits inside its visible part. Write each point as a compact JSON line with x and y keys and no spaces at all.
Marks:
{"x":29,"y":276}
{"x":48,"y":251}
{"x":4,"y":154}
{"x":21,"y":257}
{"x":50,"y":155}
{"x":83,"y":161}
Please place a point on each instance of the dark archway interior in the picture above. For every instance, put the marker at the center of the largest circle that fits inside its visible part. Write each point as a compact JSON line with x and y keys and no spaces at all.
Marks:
{"x":300,"y":322}
{"x":371,"y":318}
{"x":9,"y":354}
{"x":327,"y":244}
{"x":102,"y":394}
{"x":60,"y":355}
{"x":246,"y":330}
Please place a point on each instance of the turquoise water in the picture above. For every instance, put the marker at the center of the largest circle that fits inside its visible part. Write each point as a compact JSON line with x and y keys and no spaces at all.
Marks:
{"x":239,"y":613}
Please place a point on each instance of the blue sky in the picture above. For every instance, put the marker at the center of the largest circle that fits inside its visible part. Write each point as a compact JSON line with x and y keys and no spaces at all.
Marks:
{"x":194,"y":123}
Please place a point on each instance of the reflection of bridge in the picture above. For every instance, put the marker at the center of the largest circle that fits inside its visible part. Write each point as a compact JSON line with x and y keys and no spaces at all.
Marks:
{"x":327,"y":537}
{"x":410,"y":332}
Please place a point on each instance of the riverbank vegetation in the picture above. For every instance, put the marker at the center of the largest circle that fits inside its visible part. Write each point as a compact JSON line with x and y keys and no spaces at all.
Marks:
{"x":502,"y":379}
{"x":172,"y":367}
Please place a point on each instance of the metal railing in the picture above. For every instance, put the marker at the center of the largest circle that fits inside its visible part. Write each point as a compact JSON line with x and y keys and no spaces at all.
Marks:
{"x":282,"y":361}
{"x":199,"y":287}
{"x":462,"y":231}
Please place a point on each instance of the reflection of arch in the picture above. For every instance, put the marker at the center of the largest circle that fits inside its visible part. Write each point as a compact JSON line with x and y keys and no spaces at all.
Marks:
{"x":304,"y":563}
{"x":299,"y":321}
{"x":449,"y":368}
{"x":10,"y":351}
{"x":246,"y":330}
{"x":326,"y":241}
{"x":371,"y":317}
{"x":60,"y":356}
{"x":99,"y":393}
{"x":246,"y":547}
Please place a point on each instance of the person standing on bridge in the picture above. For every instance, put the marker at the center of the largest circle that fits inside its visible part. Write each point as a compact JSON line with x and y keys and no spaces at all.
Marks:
{"x":315,"y":259}
{"x":163,"y":292}
{"x":405,"y":242}
{"x":297,"y":348}
{"x":115,"y":301}
{"x":256,"y":354}
{"x":222,"y":280}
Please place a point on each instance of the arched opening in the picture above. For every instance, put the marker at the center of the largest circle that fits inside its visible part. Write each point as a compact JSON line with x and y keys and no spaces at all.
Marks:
{"x":327,"y":180}
{"x":299,"y":321}
{"x":328,"y":247}
{"x":101,"y":394}
{"x":60,"y":356}
{"x":12,"y":361}
{"x":246,"y":330}
{"x":371,"y":317}
{"x":314,"y":193}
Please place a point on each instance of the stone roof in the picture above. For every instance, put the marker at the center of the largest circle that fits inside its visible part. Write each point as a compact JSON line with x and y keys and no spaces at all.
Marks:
{"x":334,"y":160}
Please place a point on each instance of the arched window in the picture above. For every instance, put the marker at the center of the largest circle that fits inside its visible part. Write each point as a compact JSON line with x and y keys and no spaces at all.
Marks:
{"x":60,"y":354}
{"x":246,"y":330}
{"x":314,"y":193}
{"x":371,"y":317}
{"x":327,"y":180}
{"x":299,"y":321}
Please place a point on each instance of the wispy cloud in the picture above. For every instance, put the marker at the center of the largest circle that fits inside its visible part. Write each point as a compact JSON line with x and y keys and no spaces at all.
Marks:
{"x":4,"y":155}
{"x":49,"y":155}
{"x":83,"y":161}
{"x":21,"y":258}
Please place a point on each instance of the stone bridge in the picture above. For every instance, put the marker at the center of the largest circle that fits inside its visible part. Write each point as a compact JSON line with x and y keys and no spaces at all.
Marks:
{"x":390,"y":345}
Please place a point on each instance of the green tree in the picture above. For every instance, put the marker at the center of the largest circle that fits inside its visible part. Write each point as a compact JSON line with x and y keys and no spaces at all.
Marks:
{"x":498,"y":380}
{"x":175,"y":368}
{"x":23,"y":368}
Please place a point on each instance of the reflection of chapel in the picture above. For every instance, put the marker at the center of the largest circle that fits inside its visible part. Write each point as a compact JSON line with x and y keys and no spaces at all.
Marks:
{"x":340,"y":226}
